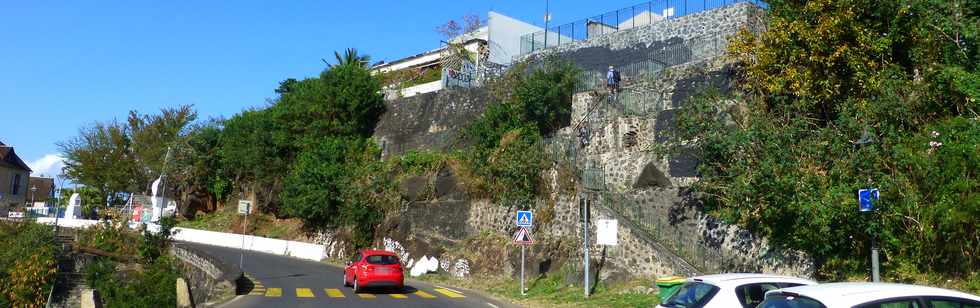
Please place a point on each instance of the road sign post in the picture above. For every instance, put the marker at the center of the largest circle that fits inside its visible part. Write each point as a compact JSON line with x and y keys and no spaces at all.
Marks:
{"x":244,"y":208}
{"x":867,"y":199}
{"x":525,"y":220}
{"x":523,"y":237}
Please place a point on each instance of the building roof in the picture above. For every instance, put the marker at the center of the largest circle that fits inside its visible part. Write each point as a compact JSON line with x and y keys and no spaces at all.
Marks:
{"x":45,"y":188}
{"x":410,"y":58}
{"x":10,"y":159}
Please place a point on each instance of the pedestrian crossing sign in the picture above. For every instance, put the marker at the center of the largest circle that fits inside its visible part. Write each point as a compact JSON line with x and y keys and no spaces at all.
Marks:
{"x":524,"y":218}
{"x":523,"y":236}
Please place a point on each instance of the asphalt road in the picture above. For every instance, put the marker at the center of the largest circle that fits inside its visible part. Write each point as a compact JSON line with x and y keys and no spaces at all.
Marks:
{"x":288,"y":282}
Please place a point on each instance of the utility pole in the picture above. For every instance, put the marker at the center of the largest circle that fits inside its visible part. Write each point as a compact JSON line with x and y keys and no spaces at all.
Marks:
{"x":547,"y":18}
{"x":585,"y":242}
{"x":163,"y":174}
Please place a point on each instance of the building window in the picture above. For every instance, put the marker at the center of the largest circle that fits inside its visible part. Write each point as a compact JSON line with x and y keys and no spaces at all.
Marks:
{"x":15,"y":185}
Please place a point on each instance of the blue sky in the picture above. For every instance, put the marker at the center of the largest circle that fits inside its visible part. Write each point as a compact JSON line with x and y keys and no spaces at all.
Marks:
{"x":64,"y":65}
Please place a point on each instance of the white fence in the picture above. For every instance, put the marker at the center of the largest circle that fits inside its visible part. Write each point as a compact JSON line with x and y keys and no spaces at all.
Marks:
{"x":253,"y":243}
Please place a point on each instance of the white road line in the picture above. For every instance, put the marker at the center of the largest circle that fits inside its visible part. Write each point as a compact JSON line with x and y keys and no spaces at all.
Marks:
{"x":492,"y":305}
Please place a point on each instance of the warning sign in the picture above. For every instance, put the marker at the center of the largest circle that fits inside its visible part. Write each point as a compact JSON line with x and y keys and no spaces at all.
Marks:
{"x":523,"y":236}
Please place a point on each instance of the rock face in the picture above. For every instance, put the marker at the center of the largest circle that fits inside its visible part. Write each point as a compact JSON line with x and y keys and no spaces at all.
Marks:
{"x":430,"y":121}
{"x":661,"y":229}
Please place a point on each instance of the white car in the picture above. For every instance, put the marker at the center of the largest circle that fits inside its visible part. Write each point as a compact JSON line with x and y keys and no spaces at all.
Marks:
{"x":868,"y":295}
{"x":729,"y":290}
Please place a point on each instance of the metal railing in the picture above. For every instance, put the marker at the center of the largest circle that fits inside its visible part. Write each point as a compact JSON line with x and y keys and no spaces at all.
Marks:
{"x":672,"y":54}
{"x":659,"y":226}
{"x":623,"y":19}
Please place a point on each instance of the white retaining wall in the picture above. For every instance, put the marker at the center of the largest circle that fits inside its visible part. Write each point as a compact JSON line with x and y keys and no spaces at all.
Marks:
{"x":253,"y":243}
{"x":67,"y":222}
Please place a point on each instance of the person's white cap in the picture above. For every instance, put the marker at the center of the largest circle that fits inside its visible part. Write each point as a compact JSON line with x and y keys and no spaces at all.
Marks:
{"x":610,"y":67}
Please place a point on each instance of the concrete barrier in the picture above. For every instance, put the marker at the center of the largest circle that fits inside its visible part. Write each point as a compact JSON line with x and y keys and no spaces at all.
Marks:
{"x":67,"y":222}
{"x":253,"y":243}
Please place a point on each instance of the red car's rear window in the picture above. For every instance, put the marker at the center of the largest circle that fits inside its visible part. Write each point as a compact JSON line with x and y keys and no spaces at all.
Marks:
{"x":382,"y":259}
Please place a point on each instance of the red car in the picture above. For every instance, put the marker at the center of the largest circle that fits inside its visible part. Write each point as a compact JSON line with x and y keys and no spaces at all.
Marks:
{"x":374,"y":268}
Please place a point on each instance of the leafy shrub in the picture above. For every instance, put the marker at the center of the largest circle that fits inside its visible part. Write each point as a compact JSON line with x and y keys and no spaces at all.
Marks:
{"x":507,"y":152}
{"x":27,"y":264}
{"x":110,"y":235}
{"x":148,"y":286}
{"x":421,"y":162}
{"x":153,"y":245}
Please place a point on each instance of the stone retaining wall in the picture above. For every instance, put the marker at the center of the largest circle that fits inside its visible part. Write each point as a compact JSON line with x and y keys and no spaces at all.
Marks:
{"x":211,"y":281}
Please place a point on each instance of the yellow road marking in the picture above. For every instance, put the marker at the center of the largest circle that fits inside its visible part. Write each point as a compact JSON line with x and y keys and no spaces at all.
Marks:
{"x":398,"y":296}
{"x":424,"y":294}
{"x":449,"y":293}
{"x":273,"y":292}
{"x":335,"y":293}
{"x":304,"y":293}
{"x":366,"y":295}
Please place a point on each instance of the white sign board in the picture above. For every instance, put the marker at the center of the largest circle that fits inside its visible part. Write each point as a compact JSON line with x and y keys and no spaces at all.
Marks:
{"x":244,"y":207}
{"x":607,"y":232}
{"x":15,"y":214}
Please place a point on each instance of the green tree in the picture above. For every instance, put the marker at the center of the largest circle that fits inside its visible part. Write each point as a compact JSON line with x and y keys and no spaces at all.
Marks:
{"x":200,"y":171}
{"x":100,"y":158}
{"x":351,"y":58}
{"x":842,"y":95}
{"x":344,"y":100}
{"x":152,"y":136}
{"x":251,"y":157}
{"x":334,"y":184}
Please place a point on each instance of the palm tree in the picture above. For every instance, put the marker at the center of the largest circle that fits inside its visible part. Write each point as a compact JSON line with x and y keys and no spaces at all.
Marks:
{"x":350,"y":57}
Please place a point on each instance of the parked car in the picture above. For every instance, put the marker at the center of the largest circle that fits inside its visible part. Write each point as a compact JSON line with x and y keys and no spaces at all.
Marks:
{"x":374,"y":268}
{"x":729,"y":290}
{"x":868,"y":295}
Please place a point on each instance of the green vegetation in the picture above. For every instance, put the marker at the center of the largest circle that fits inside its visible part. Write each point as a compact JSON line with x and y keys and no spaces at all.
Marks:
{"x":115,"y":158}
{"x":409,"y":77}
{"x":308,"y":155}
{"x":27,"y":263}
{"x":844,"y":95}
{"x":507,"y":154}
{"x":554,"y":291}
{"x":122,"y":280}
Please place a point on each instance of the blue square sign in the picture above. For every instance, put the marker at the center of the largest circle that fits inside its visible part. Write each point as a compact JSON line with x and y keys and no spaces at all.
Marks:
{"x":524,"y":218}
{"x":866,"y":199}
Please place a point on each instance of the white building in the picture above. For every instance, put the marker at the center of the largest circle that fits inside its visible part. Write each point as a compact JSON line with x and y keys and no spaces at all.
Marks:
{"x":493,"y":45}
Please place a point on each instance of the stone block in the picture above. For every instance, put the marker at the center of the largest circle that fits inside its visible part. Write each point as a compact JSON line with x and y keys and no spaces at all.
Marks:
{"x":90,"y":299}
{"x":183,"y":294}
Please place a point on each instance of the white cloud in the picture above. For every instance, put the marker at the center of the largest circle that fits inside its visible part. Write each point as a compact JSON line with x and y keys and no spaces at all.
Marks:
{"x":48,"y":166}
